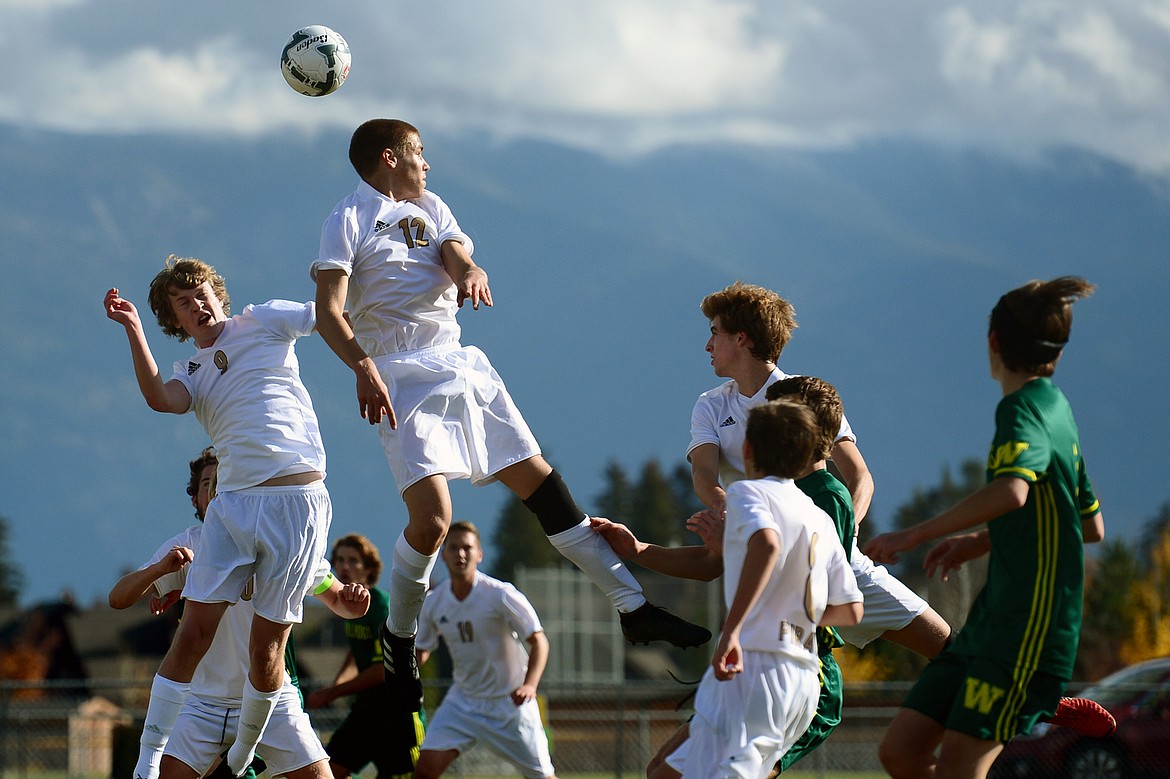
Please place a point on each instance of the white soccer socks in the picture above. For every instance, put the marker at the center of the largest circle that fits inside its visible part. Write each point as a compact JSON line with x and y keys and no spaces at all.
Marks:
{"x":255,"y":711}
{"x":593,"y":555}
{"x":410,"y":576}
{"x":166,"y":698}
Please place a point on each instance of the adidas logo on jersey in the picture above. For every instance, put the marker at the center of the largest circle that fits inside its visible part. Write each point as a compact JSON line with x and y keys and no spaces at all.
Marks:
{"x":443,"y":620}
{"x":727,"y":422}
{"x":192,"y":367}
{"x":379,"y":226}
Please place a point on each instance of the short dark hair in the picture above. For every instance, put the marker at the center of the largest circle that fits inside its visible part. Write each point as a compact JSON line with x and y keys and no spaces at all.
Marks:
{"x":206,"y":457}
{"x":783,"y":437}
{"x":375,"y":136}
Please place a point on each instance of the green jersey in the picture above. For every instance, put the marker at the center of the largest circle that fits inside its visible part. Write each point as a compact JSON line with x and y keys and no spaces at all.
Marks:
{"x":833,"y":498}
{"x":362,"y":635}
{"x":1029,"y":612}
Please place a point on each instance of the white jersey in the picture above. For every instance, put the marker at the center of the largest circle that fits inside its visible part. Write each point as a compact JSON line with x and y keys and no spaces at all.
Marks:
{"x":483,"y":634}
{"x":720,"y":418}
{"x":247,"y":393}
{"x":811,"y":571}
{"x":219,"y":677}
{"x":400,"y":296}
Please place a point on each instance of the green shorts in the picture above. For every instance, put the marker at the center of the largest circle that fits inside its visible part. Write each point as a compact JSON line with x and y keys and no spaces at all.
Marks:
{"x":983,"y":697}
{"x":827,"y":717}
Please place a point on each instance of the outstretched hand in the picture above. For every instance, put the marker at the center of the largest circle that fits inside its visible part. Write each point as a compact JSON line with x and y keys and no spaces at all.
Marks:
{"x":708,"y":526}
{"x":888,"y":546}
{"x":474,"y":287}
{"x":949,"y":554}
{"x":625,"y":544}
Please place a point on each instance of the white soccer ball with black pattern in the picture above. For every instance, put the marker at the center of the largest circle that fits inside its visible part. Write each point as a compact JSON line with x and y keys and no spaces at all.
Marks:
{"x":315,"y":61}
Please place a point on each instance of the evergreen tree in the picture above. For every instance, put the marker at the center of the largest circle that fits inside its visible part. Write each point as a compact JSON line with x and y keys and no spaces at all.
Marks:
{"x":616,"y":502}
{"x":519,"y":540}
{"x":1112,"y":578}
{"x":10,"y":576}
{"x":925,"y":503}
{"x":657,"y":516}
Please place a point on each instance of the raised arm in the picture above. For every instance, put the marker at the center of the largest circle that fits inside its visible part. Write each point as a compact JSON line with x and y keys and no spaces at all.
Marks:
{"x":470,"y":280}
{"x":684,"y":562}
{"x":994,"y":499}
{"x":950,"y":553}
{"x":130,"y":588}
{"x":537,"y":659}
{"x":855,"y":473}
{"x":166,"y":397}
{"x":334,"y":327}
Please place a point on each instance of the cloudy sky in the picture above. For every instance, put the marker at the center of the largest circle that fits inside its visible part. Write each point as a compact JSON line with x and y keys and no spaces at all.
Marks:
{"x":653,"y":105}
{"x":619,"y":76}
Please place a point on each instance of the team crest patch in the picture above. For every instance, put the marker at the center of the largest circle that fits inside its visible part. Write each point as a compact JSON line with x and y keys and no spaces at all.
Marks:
{"x":192,"y":367}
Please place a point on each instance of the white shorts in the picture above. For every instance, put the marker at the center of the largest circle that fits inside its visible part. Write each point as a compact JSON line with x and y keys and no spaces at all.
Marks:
{"x":513,"y":732}
{"x":280,"y":534}
{"x":455,"y":417}
{"x":744,"y":725}
{"x":204,"y":729}
{"x":889,"y":604}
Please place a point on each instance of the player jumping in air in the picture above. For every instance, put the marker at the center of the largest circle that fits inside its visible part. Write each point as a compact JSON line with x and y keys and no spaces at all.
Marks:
{"x":271,"y":516}
{"x":394,"y":251}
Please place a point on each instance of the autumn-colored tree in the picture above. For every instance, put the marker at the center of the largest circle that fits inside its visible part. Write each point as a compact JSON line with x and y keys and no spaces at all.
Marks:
{"x":1149,"y":634}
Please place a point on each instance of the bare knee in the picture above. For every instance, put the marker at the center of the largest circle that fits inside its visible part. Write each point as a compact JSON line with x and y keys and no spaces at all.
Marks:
{"x":902,"y":762}
{"x":318,"y":770}
{"x":432,"y":763}
{"x":266,"y":653}
{"x":428,"y":504}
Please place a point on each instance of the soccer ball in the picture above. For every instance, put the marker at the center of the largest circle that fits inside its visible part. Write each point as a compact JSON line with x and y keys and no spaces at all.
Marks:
{"x":315,"y":61}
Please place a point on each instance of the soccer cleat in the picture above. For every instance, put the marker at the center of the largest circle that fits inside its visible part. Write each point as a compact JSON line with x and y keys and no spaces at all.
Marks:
{"x":1084,"y":716}
{"x":400,"y":667}
{"x":651,"y":623}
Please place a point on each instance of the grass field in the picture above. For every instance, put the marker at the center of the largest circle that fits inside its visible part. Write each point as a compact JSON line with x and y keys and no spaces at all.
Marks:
{"x":811,"y":774}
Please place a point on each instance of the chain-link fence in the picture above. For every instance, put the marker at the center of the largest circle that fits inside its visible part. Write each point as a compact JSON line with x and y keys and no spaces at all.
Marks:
{"x":59,"y":730}
{"x":63,"y":730}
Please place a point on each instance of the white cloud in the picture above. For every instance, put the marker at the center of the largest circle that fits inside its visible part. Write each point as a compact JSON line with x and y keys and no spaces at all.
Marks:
{"x":622,"y":75}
